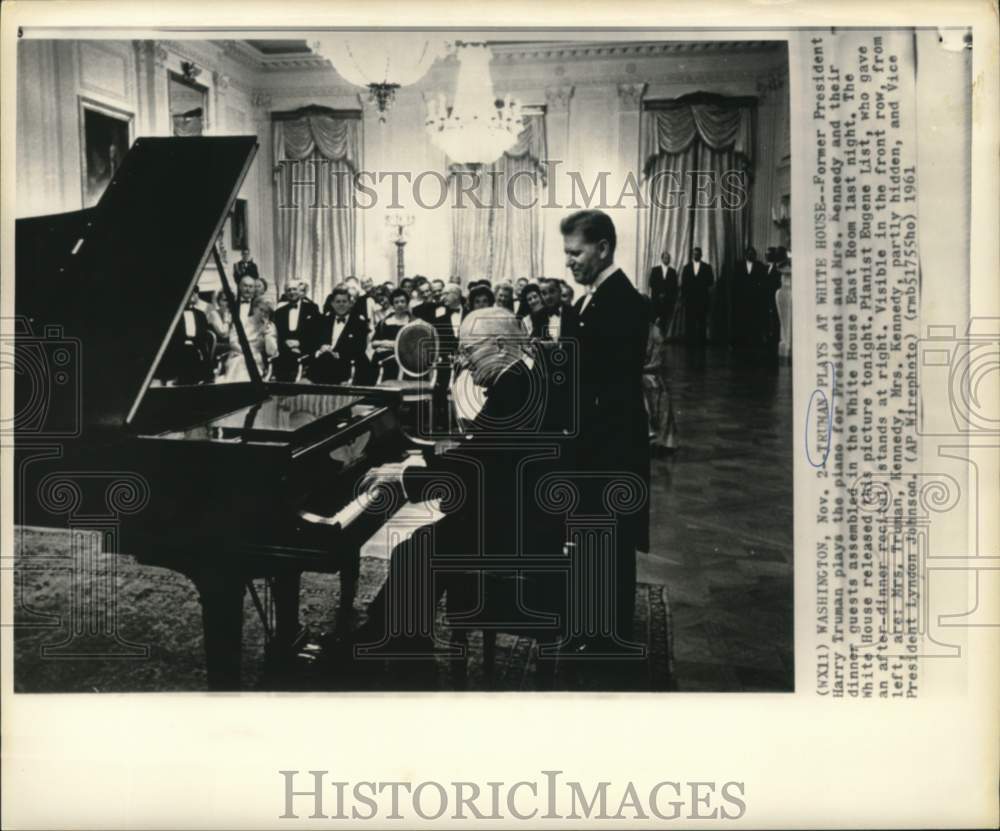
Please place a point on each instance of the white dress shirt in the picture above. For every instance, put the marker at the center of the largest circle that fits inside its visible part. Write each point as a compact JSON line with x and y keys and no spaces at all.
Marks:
{"x":190,"y":327}
{"x":695,"y":266}
{"x":555,"y":324}
{"x":244,"y":311}
{"x":338,"y":330}
{"x":293,"y":317}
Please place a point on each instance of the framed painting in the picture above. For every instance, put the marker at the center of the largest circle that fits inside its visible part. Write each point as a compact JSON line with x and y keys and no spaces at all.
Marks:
{"x":105,"y":136}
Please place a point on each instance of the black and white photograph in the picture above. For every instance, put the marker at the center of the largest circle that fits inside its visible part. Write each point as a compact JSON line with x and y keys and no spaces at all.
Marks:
{"x":499,"y":399}
{"x":408,"y":413}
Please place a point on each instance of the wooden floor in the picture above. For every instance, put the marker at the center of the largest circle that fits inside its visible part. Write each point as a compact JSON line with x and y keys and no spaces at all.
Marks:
{"x":722,"y":522}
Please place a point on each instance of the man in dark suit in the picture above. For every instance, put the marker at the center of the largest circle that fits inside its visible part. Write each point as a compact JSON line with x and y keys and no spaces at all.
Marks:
{"x":341,"y":342}
{"x":770,"y":282}
{"x":663,"y":288}
{"x":423,"y":308}
{"x":697,"y":279}
{"x":562,"y":320}
{"x":297,"y":324}
{"x":613,"y":431}
{"x":748,"y":312}
{"x":245,"y":267}
{"x":188,"y":357}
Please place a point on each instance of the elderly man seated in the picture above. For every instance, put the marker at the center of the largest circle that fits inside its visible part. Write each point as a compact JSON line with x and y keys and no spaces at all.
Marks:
{"x":501,"y":453}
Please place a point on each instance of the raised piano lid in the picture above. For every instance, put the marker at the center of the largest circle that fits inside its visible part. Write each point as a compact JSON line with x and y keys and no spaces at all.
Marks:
{"x":117,"y":287}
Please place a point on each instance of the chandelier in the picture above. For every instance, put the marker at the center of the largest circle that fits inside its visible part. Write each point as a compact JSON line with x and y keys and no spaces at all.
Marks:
{"x":381,"y":61}
{"x":478,"y":127}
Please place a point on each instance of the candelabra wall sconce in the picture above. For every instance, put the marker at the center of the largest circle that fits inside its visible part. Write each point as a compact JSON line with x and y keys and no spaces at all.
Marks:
{"x":190,"y":71}
{"x":399,"y":222}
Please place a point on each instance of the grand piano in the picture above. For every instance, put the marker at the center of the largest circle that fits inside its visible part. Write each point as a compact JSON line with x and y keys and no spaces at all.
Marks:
{"x":225,"y":482}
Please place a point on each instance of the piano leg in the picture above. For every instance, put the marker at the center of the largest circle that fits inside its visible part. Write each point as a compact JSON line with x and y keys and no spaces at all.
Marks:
{"x":288,"y":627}
{"x":349,"y":575}
{"x":221,"y":596}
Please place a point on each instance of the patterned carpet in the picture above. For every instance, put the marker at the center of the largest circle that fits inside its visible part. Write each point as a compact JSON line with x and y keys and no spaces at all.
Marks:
{"x":158,"y":621}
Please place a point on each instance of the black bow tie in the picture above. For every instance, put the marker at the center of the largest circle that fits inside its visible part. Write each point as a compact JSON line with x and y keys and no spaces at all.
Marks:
{"x":341,"y":320}
{"x":555,"y":312}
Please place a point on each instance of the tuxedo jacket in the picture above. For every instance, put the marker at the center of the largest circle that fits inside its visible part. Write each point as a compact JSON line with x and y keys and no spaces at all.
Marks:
{"x":694,"y":288}
{"x":425,"y":311}
{"x":447,"y":339}
{"x":614,"y":428}
{"x":353,"y":339}
{"x":663,"y":286}
{"x":307,"y":325}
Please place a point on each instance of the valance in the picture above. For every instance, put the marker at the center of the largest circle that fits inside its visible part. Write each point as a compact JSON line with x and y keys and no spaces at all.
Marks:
{"x":337,"y":139}
{"x":672,"y":130}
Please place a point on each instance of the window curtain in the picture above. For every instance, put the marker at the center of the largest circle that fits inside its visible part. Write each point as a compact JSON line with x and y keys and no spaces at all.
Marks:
{"x":502,"y":239}
{"x":686,"y":147}
{"x":316,"y":156}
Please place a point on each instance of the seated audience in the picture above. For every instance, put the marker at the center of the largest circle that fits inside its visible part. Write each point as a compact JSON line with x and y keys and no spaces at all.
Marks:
{"x":384,"y":342}
{"x":341,"y":343}
{"x":296,"y":323}
{"x":262,"y":337}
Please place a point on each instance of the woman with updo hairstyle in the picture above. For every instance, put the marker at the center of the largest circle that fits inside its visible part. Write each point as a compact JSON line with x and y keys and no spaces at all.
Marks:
{"x":384,"y":339}
{"x":481,"y":297}
{"x":532,"y":311}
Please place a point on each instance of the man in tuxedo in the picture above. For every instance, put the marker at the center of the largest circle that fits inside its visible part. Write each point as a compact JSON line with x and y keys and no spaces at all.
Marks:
{"x":341,"y":343}
{"x":246,"y":294}
{"x":562,"y":319}
{"x":770,"y":282}
{"x":748,"y":310}
{"x":245,"y":266}
{"x":297,"y":322}
{"x":188,"y":357}
{"x":612,"y":328}
{"x":697,"y":279}
{"x":423,"y":308}
{"x":663,"y":288}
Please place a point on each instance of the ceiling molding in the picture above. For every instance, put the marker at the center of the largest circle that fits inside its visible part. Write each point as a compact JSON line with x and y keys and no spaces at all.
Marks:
{"x":527,"y":51}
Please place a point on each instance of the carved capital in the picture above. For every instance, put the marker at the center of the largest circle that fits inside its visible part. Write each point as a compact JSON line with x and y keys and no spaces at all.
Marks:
{"x":557,"y":98}
{"x":261,"y":100}
{"x":160,"y":54}
{"x":630,"y":95}
{"x":221,"y":80}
